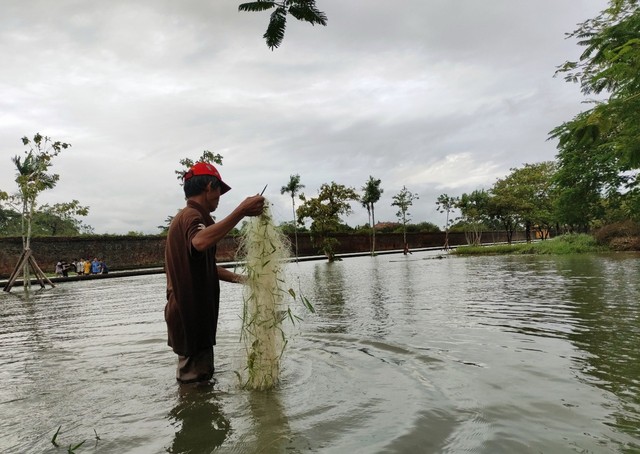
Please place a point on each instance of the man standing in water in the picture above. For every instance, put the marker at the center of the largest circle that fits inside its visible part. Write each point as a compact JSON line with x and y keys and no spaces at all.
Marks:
{"x":193,"y":277}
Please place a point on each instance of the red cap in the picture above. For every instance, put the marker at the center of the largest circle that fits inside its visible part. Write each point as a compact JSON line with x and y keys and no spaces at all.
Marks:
{"x":204,"y":168}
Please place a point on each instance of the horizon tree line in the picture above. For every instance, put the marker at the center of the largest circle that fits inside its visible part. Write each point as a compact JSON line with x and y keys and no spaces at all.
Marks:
{"x":592,"y":182}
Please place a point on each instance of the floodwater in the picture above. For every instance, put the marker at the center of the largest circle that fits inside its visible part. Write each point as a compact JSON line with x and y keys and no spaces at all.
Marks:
{"x":404,"y":355}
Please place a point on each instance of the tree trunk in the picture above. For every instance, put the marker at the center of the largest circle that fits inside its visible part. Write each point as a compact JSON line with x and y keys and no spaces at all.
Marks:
{"x":373,"y":227}
{"x":295,"y":225}
{"x":404,"y":235}
{"x":446,"y":233}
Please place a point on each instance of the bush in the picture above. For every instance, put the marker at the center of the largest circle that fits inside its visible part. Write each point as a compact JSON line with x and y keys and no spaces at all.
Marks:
{"x":620,"y":236}
{"x":565,"y":244}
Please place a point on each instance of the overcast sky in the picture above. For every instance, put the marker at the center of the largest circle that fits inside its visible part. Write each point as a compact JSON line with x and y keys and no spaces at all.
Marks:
{"x":441,"y":96}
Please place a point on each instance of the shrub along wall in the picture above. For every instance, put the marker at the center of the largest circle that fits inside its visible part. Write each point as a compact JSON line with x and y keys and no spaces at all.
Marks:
{"x":133,"y":252}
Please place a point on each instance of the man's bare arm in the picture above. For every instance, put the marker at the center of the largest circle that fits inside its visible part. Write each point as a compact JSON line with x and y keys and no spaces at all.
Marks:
{"x":207,"y":237}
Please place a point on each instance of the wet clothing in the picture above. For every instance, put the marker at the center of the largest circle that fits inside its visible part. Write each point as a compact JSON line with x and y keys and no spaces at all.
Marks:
{"x":195,"y":368}
{"x":193,"y":287}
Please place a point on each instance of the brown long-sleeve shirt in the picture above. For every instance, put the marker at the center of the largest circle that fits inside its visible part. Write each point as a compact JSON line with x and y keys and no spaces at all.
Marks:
{"x":193,"y":287}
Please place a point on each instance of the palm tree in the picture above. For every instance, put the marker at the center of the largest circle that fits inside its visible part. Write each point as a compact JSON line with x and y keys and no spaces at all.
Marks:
{"x":32,"y":180}
{"x":372,"y":193}
{"x":303,"y":10}
{"x":293,"y":187}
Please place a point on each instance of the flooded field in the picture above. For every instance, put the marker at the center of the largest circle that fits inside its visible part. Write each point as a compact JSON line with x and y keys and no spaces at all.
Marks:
{"x":403,"y":355}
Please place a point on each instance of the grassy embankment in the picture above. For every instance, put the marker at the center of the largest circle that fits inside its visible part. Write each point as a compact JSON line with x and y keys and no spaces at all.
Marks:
{"x":565,"y":244}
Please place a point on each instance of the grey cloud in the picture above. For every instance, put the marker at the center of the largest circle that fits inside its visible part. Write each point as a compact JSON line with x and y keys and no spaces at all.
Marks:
{"x":442,"y":96}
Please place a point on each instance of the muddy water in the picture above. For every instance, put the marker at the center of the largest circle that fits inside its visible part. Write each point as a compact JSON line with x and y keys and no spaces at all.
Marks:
{"x":404,"y":355}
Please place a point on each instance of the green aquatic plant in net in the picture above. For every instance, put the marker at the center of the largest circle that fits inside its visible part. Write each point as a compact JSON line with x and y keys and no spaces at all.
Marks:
{"x":264,"y":250}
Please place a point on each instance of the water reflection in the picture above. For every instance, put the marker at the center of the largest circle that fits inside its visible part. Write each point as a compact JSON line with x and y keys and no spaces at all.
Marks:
{"x":329,"y":295}
{"x":271,"y":431}
{"x":404,"y":354}
{"x":379,"y":297}
{"x":202,"y":425}
{"x":607,"y":312}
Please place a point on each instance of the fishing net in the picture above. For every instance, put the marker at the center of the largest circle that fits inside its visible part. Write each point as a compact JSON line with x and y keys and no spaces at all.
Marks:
{"x":263,"y":249}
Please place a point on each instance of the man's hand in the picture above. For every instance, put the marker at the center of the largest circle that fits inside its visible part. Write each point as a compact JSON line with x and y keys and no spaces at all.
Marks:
{"x":252,"y":206}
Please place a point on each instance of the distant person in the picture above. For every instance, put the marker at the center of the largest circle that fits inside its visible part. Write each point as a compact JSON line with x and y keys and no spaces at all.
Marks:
{"x":87,"y":267}
{"x":103,"y":267}
{"x":95,"y":266}
{"x":59,"y":268}
{"x":193,"y":277}
{"x":65,"y":268}
{"x":80,"y":267}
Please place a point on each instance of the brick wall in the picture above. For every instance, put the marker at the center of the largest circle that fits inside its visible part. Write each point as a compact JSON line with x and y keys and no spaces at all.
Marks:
{"x":132,"y":252}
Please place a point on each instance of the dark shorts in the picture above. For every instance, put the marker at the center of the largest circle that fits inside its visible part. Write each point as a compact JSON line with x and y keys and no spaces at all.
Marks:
{"x":195,"y":368}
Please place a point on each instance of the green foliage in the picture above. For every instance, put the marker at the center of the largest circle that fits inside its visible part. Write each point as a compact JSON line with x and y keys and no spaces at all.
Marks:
{"x":56,"y":220}
{"x":61,"y":219}
{"x":474,"y":209}
{"x":303,"y":10}
{"x":372,"y":194}
{"x":164,"y":229}
{"x":404,"y":200}
{"x":610,"y":64}
{"x":289,"y":228}
{"x":72,"y":448}
{"x":422,"y":227}
{"x":587,"y":175}
{"x":525,"y":196}
{"x":564,"y":244}
{"x":293,"y":187}
{"x":187,"y":163}
{"x":22,"y":216}
{"x":10,"y":222}
{"x":446,"y":204}
{"x":55,"y":437}
{"x":599,"y":149}
{"x":325,"y":211}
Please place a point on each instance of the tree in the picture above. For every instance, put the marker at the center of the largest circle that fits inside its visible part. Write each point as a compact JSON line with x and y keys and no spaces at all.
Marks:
{"x":403,"y":200}
{"x":187,"y":163}
{"x":525,"y":196}
{"x":32,"y":178}
{"x":502,"y":208}
{"x":599,"y":149}
{"x":610,"y":65}
{"x":446,"y":204}
{"x":293,"y":188}
{"x":420,"y":227}
{"x":164,"y":229}
{"x":474,"y":210}
{"x":325,"y":211}
{"x":303,"y":10}
{"x":62,"y":219}
{"x":372,"y":194}
{"x":587,"y":174}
